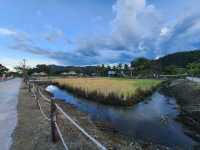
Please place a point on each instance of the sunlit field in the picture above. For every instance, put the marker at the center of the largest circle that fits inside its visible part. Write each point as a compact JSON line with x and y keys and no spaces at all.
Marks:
{"x":109,"y":90}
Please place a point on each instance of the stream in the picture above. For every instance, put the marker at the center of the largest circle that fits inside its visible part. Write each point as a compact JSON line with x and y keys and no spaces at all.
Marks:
{"x":152,"y":120}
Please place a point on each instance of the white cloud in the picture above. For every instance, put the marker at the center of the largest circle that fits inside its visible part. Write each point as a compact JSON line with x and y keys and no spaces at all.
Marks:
{"x":134,"y":27}
{"x":11,"y":62}
{"x":164,"y":31}
{"x":135,"y":22}
{"x":138,"y":29}
{"x":8,"y":32}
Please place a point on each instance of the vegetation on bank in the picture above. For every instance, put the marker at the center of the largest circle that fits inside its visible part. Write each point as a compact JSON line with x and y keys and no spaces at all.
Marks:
{"x":112,"y":91}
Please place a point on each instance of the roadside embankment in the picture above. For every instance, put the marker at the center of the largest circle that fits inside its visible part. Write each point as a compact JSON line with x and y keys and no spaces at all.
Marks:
{"x":33,"y":132}
{"x":187,"y":94}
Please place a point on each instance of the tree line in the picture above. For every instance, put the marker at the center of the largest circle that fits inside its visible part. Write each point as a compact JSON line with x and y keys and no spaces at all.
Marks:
{"x":173,"y":64}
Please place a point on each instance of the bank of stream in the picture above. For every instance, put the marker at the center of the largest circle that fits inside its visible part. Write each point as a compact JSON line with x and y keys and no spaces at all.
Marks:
{"x":152,"y":121}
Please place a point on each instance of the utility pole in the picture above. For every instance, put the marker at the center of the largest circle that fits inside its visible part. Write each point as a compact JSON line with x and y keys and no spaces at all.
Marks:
{"x":24,"y":70}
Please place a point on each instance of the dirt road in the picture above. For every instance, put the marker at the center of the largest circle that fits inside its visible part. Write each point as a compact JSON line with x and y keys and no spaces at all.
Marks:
{"x":8,"y":110}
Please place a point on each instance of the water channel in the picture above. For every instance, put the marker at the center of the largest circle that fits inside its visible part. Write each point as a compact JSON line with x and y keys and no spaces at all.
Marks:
{"x":153,"y":120}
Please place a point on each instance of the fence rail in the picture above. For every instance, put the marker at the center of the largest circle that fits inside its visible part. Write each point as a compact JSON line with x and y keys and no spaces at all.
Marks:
{"x":55,"y":130}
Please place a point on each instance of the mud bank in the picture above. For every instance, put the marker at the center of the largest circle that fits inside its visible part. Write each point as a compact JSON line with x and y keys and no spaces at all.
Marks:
{"x":150,"y":122}
{"x":187,"y":94}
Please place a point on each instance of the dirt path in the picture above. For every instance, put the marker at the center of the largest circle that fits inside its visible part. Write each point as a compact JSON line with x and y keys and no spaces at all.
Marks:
{"x":8,"y":112}
{"x":33,"y":132}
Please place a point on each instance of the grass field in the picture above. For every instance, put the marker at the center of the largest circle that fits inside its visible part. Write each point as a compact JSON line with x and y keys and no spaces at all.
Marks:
{"x":114,"y":91}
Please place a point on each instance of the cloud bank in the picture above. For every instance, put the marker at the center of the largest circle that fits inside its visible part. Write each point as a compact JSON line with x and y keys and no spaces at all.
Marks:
{"x":137,"y":29}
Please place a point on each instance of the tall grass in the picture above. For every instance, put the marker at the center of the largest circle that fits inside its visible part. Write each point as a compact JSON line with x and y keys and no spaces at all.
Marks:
{"x":111,"y":91}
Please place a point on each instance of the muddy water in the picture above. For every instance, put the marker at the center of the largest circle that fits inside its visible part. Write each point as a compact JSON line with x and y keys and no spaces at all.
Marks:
{"x":152,"y":120}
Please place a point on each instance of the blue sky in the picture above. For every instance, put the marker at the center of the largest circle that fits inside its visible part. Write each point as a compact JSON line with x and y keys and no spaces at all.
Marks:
{"x":88,"y":32}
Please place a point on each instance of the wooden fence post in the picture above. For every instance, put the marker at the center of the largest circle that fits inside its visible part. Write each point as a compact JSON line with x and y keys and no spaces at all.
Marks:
{"x":29,"y":86}
{"x":36,"y":95}
{"x":54,"y":132}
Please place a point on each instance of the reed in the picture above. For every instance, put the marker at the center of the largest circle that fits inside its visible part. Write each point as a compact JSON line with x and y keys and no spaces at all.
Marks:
{"x":112,"y":91}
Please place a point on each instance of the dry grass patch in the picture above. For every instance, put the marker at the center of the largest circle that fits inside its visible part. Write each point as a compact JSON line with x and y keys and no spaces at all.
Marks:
{"x":114,"y":91}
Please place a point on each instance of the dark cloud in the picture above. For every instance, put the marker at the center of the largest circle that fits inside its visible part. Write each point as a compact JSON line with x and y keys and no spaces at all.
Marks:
{"x":183,"y":36}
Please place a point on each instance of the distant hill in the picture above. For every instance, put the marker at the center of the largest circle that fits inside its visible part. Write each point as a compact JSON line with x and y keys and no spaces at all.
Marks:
{"x":55,"y":69}
{"x":170,"y":64}
{"x":179,"y":59}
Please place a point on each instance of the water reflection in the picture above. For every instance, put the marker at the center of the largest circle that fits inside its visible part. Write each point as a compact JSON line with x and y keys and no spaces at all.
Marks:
{"x":152,"y":120}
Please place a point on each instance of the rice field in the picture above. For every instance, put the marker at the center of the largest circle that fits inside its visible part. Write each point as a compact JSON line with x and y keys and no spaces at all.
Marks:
{"x":114,"y":91}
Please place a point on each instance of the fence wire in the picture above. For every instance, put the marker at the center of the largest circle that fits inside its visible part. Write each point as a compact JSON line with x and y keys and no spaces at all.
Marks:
{"x":97,"y":143}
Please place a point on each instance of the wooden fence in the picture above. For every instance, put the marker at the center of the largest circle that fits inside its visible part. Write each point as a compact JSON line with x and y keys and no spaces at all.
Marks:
{"x":55,"y":108}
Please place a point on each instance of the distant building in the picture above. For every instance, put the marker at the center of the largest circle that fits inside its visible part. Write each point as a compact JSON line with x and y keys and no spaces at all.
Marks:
{"x":39,"y":74}
{"x":64,"y":74}
{"x":70,"y":73}
{"x":112,"y":73}
{"x":94,"y":74}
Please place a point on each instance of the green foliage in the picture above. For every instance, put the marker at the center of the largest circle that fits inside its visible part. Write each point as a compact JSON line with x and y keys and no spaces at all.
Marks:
{"x":141,"y":64}
{"x":194,"y":69}
{"x":177,"y":63}
{"x":179,"y":59}
{"x":173,"y":70}
{"x":3,"y":69}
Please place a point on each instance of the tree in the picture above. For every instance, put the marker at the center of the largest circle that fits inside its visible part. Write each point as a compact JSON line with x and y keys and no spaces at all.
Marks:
{"x":43,"y":68}
{"x":171,"y":70}
{"x":126,"y":67}
{"x":103,"y":70}
{"x":19,"y":69}
{"x":3,"y":69}
{"x":108,"y":68}
{"x":193,"y":69}
{"x":141,"y":66}
{"x":141,"y":63}
{"x":114,"y":68}
{"x":119,"y":67}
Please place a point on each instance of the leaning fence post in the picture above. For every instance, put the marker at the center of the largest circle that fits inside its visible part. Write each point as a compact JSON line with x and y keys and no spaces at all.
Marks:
{"x":54,"y":133}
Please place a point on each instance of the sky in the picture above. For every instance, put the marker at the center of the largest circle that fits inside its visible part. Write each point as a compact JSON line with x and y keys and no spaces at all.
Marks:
{"x":90,"y":32}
